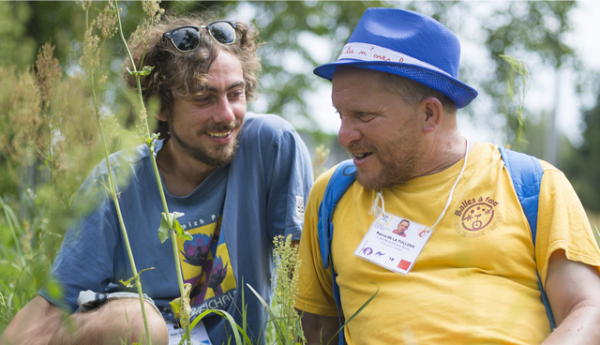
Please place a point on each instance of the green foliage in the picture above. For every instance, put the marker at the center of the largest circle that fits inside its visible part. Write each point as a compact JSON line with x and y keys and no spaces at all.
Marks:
{"x":288,"y":329}
{"x":23,"y":265}
{"x":49,"y":143}
{"x":171,"y":222}
{"x":47,"y":150}
{"x":582,"y":167}
{"x":289,"y":30}
{"x":181,"y":307}
{"x":5,"y":313}
{"x":17,"y":48}
{"x":235,"y":327}
{"x":532,"y":30}
{"x":362,"y":307}
{"x":321,"y":155}
{"x":516,"y":91}
{"x":128,"y":283}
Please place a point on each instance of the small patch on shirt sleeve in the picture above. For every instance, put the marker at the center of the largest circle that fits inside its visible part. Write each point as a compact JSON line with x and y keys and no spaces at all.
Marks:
{"x":300,"y":207}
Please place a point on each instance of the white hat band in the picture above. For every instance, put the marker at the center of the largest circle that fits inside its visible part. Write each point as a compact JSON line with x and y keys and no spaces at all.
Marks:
{"x":371,"y":52}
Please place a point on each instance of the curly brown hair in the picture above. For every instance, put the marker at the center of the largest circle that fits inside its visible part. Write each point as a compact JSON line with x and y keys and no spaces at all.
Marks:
{"x":181,"y":74}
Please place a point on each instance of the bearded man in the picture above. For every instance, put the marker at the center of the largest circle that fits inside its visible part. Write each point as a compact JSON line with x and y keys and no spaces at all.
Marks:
{"x":469,"y":275}
{"x":240,"y":180}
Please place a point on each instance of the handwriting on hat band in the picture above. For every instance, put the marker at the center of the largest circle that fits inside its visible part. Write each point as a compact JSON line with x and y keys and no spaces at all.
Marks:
{"x":358,"y":51}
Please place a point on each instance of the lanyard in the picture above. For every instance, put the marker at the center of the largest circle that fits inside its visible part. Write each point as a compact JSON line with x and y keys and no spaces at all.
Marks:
{"x":376,"y":210}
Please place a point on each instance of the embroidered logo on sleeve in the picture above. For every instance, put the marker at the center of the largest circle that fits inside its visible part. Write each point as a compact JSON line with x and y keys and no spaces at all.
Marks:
{"x":300,"y":207}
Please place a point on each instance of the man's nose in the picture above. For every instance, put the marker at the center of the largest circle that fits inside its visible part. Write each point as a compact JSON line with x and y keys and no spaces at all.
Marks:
{"x":224,"y":111}
{"x":348,"y":133}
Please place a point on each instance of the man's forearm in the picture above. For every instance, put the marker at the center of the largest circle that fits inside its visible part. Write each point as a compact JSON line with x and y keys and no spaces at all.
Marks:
{"x":319,"y":329}
{"x":42,"y":323}
{"x":579,"y":327}
{"x":34,"y":324}
{"x":572,"y":289}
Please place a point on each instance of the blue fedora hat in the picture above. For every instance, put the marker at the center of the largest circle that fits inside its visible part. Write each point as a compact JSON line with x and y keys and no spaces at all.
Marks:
{"x":409,"y":44}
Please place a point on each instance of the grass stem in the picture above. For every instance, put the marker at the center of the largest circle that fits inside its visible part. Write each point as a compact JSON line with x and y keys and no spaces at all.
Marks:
{"x":156,"y":171}
{"x":115,"y":198}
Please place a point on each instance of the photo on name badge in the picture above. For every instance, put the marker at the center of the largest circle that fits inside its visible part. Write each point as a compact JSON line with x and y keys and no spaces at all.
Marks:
{"x":402,"y":227}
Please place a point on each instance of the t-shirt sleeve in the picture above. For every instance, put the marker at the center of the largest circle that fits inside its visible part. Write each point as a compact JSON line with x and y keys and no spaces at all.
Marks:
{"x":562,"y":223}
{"x":315,"y":288}
{"x":86,"y":258}
{"x":290,"y":181}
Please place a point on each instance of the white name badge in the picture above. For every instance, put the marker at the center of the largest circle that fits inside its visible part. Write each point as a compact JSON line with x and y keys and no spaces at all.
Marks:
{"x":198,"y":334}
{"x":393,"y":243}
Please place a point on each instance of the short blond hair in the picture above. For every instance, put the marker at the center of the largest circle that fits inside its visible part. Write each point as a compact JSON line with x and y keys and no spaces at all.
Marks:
{"x":412,"y":92}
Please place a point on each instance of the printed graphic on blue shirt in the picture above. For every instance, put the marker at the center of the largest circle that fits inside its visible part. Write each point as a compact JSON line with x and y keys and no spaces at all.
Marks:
{"x":206,"y":266}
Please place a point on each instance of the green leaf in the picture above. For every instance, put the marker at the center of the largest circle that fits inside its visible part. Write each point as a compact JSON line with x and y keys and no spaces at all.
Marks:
{"x":54,"y":288}
{"x":163,"y":230}
{"x":151,"y":141}
{"x":357,"y":312}
{"x":175,"y":215}
{"x":180,"y":232}
{"x":234,"y":326}
{"x":103,"y":185}
{"x":597,"y":235}
{"x":165,"y":227}
{"x":181,"y":306}
{"x":178,"y":228}
{"x":128,"y":283}
{"x":279,"y":332}
{"x":176,"y":306}
{"x":146,"y":70}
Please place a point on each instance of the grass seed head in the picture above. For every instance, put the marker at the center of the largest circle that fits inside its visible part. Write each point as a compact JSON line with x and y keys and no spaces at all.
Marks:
{"x":152,"y":9}
{"x":85,"y":4}
{"x":90,"y":59}
{"x":107,"y":20}
{"x":48,"y":71}
{"x":287,"y":265}
{"x":20,"y":110}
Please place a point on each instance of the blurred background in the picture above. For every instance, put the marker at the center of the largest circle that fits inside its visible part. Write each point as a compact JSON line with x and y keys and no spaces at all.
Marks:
{"x":42,"y":164}
{"x":557,"y":41}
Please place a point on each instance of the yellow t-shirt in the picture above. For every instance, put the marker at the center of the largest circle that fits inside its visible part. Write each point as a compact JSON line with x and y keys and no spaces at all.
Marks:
{"x":474,"y":282}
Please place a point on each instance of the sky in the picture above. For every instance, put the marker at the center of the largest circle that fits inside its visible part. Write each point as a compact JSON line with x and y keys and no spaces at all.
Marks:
{"x":585,"y":39}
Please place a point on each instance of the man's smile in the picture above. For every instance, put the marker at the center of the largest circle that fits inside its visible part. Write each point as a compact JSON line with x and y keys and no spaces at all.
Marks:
{"x":362,"y":155}
{"x":218,"y":135}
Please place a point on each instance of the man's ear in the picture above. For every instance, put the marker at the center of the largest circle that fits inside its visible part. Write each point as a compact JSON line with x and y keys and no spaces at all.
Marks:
{"x":162,"y":116}
{"x":433,"y":110}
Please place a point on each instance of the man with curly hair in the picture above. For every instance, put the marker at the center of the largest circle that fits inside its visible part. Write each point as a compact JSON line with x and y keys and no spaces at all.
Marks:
{"x":240,"y":180}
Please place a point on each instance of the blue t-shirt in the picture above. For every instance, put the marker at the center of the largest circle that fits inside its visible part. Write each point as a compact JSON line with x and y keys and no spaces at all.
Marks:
{"x":233,"y":217}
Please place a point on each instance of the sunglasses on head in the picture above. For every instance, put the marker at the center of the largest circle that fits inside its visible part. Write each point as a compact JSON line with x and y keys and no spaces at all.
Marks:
{"x":187,"y":38}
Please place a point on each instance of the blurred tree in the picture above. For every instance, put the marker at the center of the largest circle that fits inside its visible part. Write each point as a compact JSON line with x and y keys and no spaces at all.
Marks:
{"x":533,"y":29}
{"x":582,"y":167}
{"x":291,"y":30}
{"x":17,"y":47}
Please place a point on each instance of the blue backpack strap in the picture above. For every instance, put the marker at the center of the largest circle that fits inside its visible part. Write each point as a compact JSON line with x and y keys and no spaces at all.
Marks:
{"x":343,"y":177}
{"x":526,"y":173}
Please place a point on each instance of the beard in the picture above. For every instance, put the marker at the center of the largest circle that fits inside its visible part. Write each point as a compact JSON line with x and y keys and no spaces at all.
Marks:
{"x":399,"y":161}
{"x":221,"y":155}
